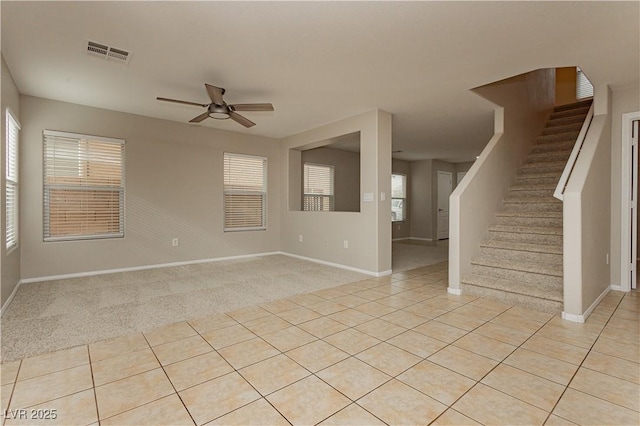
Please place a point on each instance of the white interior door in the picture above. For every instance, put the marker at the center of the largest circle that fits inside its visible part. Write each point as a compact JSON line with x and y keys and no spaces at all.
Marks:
{"x":445,"y":186}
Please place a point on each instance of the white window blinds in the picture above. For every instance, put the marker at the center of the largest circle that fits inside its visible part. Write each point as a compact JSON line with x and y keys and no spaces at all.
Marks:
{"x":245,"y":192}
{"x":318,"y":188}
{"x":398,"y":197}
{"x":11,"y":175}
{"x":584,"y":88}
{"x":83,"y":186}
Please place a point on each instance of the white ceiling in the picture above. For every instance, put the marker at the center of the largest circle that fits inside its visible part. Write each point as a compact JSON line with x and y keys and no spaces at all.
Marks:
{"x":317,"y":62}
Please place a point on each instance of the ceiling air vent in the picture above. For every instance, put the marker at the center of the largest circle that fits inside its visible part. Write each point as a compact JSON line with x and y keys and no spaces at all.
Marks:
{"x":108,"y":52}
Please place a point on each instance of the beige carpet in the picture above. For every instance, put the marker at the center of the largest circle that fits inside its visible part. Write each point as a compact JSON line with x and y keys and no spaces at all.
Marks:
{"x":411,"y":254}
{"x":54,"y":315}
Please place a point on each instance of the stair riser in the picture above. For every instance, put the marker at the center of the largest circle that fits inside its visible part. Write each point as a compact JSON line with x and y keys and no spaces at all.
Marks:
{"x":534,"y":303}
{"x":562,"y":129}
{"x":570,"y":119}
{"x":553,"y":147}
{"x":554,"y":138}
{"x":519,"y":237}
{"x":548,"y":156}
{"x":542,"y":168}
{"x":509,"y":274}
{"x":574,"y":106}
{"x":532,"y":207}
{"x":569,"y":113}
{"x":532,"y":178}
{"x":524,"y":256}
{"x":529,"y":221}
{"x":531,"y":193}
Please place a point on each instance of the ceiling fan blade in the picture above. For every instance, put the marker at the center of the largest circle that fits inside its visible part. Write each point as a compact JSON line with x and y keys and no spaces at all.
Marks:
{"x":240,"y":119}
{"x":182,"y":102}
{"x":251,"y":107}
{"x":200,"y":117}
{"x":215,"y":93}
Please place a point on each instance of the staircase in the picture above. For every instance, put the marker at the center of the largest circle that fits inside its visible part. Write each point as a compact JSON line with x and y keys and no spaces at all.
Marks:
{"x":521,"y":261}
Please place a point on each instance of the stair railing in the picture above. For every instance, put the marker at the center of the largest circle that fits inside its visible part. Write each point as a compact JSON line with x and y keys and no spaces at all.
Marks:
{"x":566,"y":173}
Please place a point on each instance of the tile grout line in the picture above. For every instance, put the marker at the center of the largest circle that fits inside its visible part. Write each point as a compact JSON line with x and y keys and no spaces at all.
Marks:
{"x":580,"y":366}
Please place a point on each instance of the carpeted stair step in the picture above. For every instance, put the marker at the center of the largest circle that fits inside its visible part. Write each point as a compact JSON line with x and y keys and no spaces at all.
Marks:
{"x":551,"y":178}
{"x":543,"y":167}
{"x":537,"y":219}
{"x":569,"y":119}
{"x":573,"y":127}
{"x":513,"y":292}
{"x":582,"y":111}
{"x":553,"y":147}
{"x":516,"y":251}
{"x":557,"y":137}
{"x":532,"y":204}
{"x":575,"y":105}
{"x":527,"y":234}
{"x":549,"y":156}
{"x":531,"y":191}
{"x":549,"y":275}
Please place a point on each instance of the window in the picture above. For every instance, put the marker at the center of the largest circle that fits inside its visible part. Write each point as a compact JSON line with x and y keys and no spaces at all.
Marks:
{"x":584,"y":88}
{"x":398,"y":198}
{"x":245,"y":192}
{"x":318,"y":188}
{"x":11,"y":175}
{"x":83,"y":187}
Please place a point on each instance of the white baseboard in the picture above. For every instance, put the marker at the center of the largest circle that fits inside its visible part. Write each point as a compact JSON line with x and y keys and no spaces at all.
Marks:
{"x":420,"y":239}
{"x":141,"y":268}
{"x":338,"y":265}
{"x":10,"y":299}
{"x":456,"y":291}
{"x":617,"y":288}
{"x":401,"y":239}
{"x":582,"y":318}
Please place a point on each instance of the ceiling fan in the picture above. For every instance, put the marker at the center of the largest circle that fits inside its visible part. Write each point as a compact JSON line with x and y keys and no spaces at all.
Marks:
{"x":220,"y":110}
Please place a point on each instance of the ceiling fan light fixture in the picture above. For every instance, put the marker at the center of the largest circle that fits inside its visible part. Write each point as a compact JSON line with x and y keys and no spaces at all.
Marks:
{"x":219,"y":115}
{"x":219,"y":112}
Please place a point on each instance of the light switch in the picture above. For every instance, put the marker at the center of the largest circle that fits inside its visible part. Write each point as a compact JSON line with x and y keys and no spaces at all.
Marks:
{"x":367,"y":196}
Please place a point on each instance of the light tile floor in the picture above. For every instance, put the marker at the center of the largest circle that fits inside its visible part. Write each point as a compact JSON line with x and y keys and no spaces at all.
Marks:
{"x":392,"y":350}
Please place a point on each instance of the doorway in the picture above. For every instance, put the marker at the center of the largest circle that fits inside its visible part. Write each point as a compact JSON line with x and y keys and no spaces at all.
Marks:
{"x":445,"y":187}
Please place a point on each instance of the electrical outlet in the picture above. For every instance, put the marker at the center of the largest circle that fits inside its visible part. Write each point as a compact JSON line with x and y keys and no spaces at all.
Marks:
{"x":300,"y":239}
{"x":175,"y":242}
{"x":346,"y":244}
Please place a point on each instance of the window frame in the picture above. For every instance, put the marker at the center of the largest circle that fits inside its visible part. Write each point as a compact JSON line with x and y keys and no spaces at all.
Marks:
{"x":263,"y":193}
{"x":12,"y":180}
{"x":120,"y":190}
{"x":331,"y":197}
{"x":403,"y":199}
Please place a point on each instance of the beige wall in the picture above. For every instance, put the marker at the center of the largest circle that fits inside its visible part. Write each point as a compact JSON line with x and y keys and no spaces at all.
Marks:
{"x":462,"y":167}
{"x":346,"y":177}
{"x":402,"y":229}
{"x":523,"y":103}
{"x":586,"y":273}
{"x":9,"y":262}
{"x":624,"y":100}
{"x":368,"y":232}
{"x":173,"y":189}
{"x":423,"y":199}
{"x":566,"y":85}
{"x":420,"y":196}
